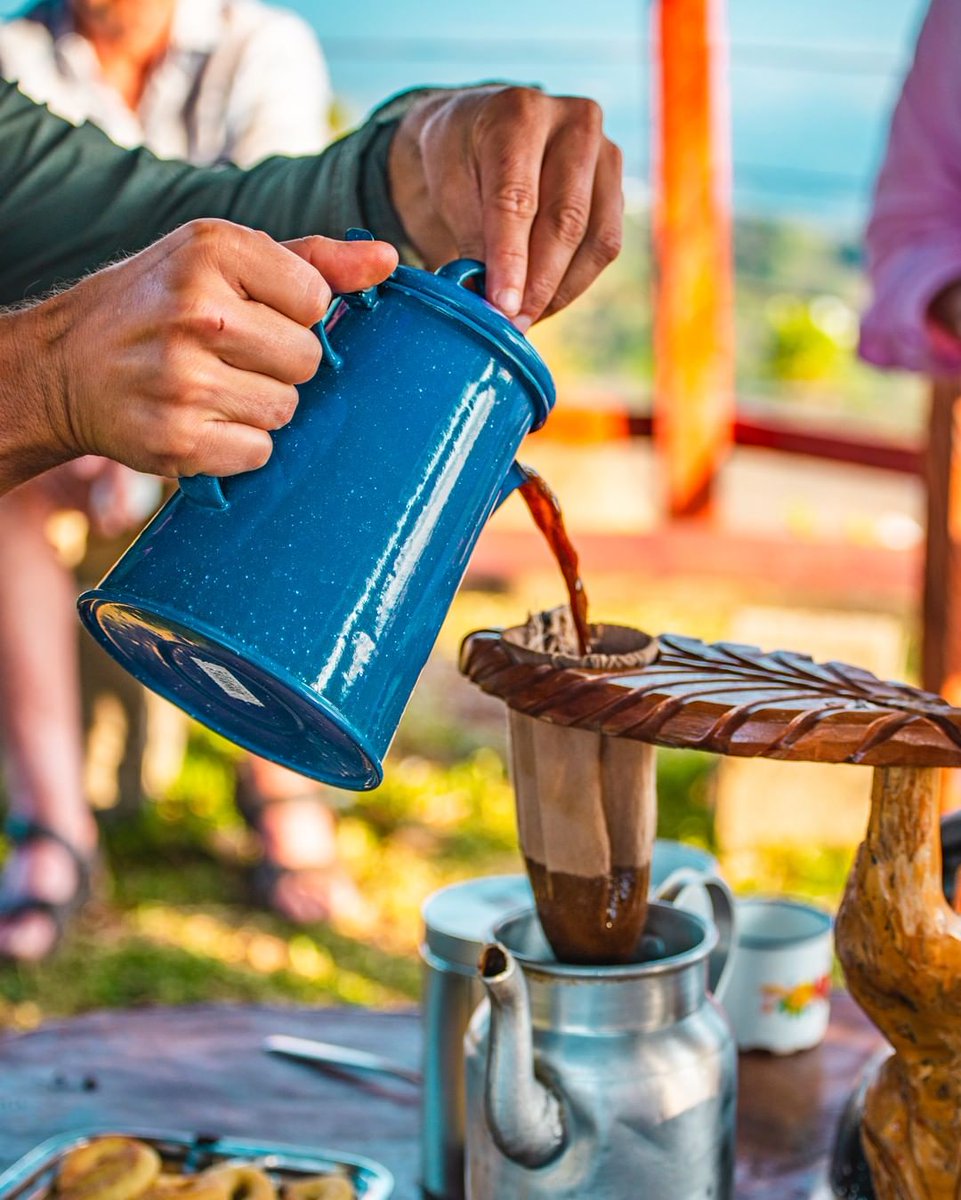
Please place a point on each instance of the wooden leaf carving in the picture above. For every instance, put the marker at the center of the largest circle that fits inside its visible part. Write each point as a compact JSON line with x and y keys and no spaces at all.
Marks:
{"x":729,"y":699}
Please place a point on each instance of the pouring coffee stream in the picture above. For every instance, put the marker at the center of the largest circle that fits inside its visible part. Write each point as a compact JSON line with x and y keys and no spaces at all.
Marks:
{"x":585,"y":803}
{"x":546,"y":510}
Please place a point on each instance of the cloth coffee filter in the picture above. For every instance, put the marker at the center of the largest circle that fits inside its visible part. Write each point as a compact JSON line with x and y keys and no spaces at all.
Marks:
{"x":586,"y":804}
{"x":551,"y":637}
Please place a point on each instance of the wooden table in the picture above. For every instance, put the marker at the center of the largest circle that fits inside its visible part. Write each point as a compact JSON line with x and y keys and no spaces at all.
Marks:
{"x":201,"y":1069}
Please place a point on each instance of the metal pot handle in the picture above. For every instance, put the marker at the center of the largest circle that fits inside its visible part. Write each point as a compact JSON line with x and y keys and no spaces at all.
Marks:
{"x":723,"y":912}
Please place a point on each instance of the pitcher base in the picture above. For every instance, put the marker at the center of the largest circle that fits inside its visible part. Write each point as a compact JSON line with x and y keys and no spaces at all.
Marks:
{"x":245,"y":699}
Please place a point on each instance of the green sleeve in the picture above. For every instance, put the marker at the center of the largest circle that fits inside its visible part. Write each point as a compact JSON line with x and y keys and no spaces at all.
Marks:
{"x":70,"y":200}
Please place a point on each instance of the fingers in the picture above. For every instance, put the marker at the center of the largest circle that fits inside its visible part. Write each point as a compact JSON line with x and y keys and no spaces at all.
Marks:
{"x":510,"y":144}
{"x":227,"y":448}
{"x":202,"y":429}
{"x":248,"y":398}
{"x":524,"y":181}
{"x":602,"y":241}
{"x":565,"y":213}
{"x":293,"y":278}
{"x":347,"y":266}
{"x":255,"y":266}
{"x":250,"y":336}
{"x":260,"y":321}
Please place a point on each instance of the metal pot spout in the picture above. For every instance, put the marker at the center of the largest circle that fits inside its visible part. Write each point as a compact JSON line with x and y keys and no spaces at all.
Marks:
{"x":524,"y":1116}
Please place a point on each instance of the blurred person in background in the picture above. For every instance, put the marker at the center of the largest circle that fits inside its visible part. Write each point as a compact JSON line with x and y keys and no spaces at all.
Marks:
{"x":209,"y":81}
{"x":914,"y":233}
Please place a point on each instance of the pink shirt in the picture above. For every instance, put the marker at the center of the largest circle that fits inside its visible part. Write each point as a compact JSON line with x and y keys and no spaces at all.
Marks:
{"x":914,"y":234}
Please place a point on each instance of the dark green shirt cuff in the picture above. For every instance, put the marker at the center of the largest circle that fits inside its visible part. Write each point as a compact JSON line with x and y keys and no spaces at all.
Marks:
{"x":70,"y":200}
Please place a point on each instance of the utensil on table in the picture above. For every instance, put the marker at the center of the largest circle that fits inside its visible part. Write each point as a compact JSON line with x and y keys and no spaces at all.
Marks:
{"x":458,"y":921}
{"x":327,"y":1054}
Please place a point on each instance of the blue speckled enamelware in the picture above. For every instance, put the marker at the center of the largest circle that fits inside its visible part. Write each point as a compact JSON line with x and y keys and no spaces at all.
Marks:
{"x":293,"y":610}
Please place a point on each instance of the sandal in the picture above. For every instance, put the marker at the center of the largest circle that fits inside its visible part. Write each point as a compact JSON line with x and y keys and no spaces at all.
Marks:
{"x":21,"y":832}
{"x":268,"y":876}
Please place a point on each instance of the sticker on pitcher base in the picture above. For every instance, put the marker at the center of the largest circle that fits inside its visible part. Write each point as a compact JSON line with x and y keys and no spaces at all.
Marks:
{"x":226,"y":681}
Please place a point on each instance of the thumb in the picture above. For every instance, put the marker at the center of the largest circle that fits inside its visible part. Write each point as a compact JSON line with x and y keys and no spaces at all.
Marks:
{"x":347,"y":266}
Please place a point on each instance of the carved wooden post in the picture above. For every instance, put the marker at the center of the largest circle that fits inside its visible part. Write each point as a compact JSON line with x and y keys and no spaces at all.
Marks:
{"x":900,"y":946}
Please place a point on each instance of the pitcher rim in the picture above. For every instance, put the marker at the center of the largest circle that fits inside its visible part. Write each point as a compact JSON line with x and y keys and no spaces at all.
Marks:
{"x":449,"y":299}
{"x":616,"y":971}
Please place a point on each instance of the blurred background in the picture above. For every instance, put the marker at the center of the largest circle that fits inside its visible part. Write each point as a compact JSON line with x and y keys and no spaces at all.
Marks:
{"x":813,"y":537}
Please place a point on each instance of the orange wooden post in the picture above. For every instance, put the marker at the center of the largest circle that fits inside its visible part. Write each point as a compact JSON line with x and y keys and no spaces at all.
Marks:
{"x":694,"y":339}
{"x":941,"y":605}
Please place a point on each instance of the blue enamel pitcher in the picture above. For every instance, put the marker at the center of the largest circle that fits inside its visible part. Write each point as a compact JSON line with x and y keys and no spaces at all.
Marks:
{"x":292,"y":608}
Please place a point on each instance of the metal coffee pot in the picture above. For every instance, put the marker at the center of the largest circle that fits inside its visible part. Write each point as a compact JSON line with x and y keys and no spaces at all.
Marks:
{"x":458,"y":921}
{"x":600,"y":1082}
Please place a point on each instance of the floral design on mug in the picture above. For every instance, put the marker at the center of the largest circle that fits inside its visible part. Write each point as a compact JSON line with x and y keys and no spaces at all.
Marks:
{"x":794,"y":1001}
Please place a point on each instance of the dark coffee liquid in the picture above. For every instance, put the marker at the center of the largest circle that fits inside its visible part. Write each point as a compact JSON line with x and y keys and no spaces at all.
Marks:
{"x":596,"y":920}
{"x":549,"y":519}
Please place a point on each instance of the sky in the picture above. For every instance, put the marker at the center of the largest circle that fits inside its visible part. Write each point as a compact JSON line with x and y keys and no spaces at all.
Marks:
{"x":812,"y":81}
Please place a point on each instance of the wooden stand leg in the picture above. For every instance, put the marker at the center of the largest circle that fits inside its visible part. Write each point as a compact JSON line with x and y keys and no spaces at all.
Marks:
{"x":900,"y":946}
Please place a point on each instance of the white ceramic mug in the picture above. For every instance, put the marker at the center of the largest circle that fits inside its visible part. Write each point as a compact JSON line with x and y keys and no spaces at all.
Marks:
{"x":778,"y":990}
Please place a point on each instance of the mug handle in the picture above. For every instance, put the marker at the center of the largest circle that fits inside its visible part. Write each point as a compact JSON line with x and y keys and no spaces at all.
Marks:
{"x":722,"y":910}
{"x":205,"y":490}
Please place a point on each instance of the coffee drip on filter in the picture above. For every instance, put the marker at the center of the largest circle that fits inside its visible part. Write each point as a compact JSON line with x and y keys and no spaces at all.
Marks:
{"x":586,"y":804}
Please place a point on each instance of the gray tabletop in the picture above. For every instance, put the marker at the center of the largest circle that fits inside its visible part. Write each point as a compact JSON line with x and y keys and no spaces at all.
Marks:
{"x":201,"y":1070}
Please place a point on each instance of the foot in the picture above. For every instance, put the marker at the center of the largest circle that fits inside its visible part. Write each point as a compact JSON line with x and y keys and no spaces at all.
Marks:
{"x":40,"y":869}
{"x":303,"y":879}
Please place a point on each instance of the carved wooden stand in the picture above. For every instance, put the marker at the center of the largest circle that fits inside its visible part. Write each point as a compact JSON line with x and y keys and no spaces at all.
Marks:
{"x":897,"y":938}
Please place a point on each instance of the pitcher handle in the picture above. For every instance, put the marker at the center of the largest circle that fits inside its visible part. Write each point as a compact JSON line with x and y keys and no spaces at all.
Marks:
{"x":459,"y":270}
{"x":206,"y":490}
{"x":722,"y":910}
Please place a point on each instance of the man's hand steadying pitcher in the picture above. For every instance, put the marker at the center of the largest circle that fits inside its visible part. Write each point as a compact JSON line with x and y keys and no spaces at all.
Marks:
{"x":526,"y":182}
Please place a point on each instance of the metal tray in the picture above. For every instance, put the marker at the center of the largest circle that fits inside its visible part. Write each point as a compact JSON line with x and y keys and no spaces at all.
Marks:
{"x":32,"y":1177}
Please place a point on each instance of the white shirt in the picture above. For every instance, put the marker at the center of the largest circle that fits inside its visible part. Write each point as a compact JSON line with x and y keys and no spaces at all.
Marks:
{"x":240,"y":81}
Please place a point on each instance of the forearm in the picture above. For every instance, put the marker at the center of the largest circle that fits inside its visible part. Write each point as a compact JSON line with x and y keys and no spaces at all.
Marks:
{"x":33,"y":435}
{"x":71,"y":200}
